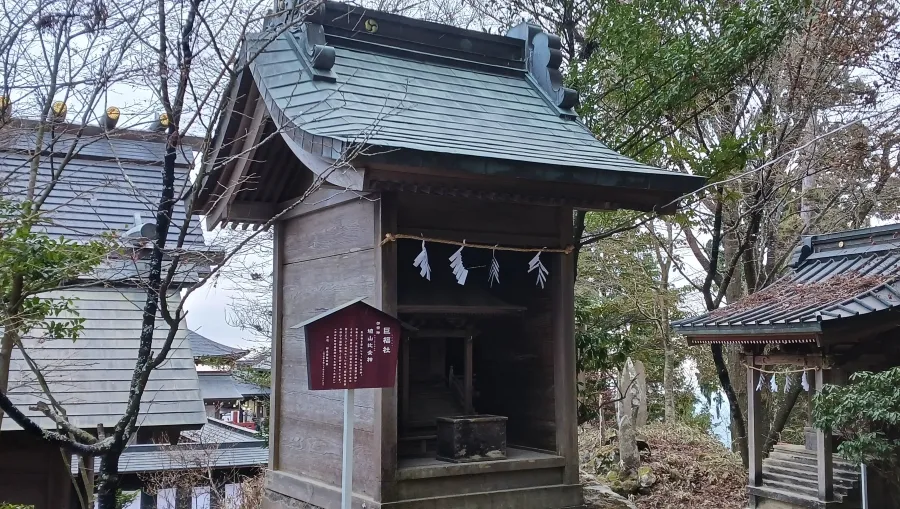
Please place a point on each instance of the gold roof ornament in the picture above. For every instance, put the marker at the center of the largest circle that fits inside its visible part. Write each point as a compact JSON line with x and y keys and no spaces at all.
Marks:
{"x":161,"y":123}
{"x":5,"y":107}
{"x":111,"y":117}
{"x":59,"y":111}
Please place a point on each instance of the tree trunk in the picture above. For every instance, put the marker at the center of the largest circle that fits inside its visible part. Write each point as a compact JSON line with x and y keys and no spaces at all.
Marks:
{"x":669,"y":382}
{"x":109,"y":480}
{"x":642,"y":413}
{"x":109,"y":468}
{"x":738,"y":426}
{"x":10,"y":335}
{"x":668,"y":361}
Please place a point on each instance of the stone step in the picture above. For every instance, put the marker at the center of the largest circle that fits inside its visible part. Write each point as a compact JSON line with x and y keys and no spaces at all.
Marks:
{"x":801,"y":452}
{"x":804,"y":477}
{"x":812,"y":461}
{"x":804,"y":483}
{"x":809,"y":469}
{"x":839,"y":494}
{"x":798,"y":500}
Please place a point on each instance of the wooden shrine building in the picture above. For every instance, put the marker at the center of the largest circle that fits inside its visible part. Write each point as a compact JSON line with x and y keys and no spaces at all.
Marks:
{"x":399,"y":127}
{"x":836,"y":312}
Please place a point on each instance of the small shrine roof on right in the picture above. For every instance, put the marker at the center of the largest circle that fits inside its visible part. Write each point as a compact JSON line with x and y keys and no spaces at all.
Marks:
{"x":835,"y":279}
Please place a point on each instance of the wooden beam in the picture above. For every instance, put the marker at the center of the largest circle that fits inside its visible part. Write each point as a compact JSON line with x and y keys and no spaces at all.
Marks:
{"x":320,"y":199}
{"x":469,"y":374}
{"x":564,"y":370}
{"x":277,"y":334}
{"x":824,"y":451}
{"x":344,"y":177}
{"x":442,"y":333}
{"x":250,"y":212}
{"x":754,"y":427}
{"x":812,"y":360}
{"x":485,"y":237}
{"x":224,"y":120}
{"x":241,"y":161}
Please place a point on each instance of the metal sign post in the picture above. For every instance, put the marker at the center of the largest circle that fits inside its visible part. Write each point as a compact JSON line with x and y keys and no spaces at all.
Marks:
{"x":347,"y":466}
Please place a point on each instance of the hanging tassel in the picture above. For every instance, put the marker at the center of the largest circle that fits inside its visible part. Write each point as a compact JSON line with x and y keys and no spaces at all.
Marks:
{"x":542,"y":271}
{"x":456,"y":263}
{"x":787,"y":383}
{"x":804,"y":382}
{"x":774,"y":384}
{"x":421,"y":262}
{"x":759,"y":384}
{"x":494,"y":273}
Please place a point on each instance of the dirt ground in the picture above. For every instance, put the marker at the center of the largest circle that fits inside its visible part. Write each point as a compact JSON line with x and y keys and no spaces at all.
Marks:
{"x":692,"y":470}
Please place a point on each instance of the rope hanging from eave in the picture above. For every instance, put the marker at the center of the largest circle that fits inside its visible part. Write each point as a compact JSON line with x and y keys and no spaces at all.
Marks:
{"x":393,"y":237}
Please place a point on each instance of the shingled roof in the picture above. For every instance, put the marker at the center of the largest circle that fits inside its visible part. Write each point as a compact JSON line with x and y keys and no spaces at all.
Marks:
{"x":111,"y":177}
{"x":833,"y":277}
{"x":91,"y":377}
{"x":203,"y":347}
{"x":426,"y":94}
{"x":218,"y":445}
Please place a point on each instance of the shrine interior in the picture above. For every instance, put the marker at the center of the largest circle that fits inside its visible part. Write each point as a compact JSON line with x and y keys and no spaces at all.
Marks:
{"x":482,"y":348}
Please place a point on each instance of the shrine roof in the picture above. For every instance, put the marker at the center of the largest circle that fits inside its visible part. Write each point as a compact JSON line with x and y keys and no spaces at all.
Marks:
{"x":226,"y":385}
{"x":91,"y":377}
{"x":203,"y":347}
{"x":217,"y":445}
{"x":833,"y":277}
{"x":111,"y":177}
{"x":430,"y":95}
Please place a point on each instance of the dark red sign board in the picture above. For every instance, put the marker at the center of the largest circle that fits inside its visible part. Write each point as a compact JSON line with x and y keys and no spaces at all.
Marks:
{"x":353,"y":346}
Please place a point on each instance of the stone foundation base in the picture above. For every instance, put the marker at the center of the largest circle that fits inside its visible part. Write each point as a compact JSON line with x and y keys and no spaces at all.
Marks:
{"x":273,"y":500}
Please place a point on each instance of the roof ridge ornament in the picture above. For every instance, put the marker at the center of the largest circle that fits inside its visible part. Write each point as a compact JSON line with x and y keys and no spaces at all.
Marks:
{"x":317,"y":52}
{"x":544,"y":60}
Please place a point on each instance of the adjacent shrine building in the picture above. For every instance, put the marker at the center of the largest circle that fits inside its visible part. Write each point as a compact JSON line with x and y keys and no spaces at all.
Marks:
{"x":834,"y":313}
{"x":399,"y":128}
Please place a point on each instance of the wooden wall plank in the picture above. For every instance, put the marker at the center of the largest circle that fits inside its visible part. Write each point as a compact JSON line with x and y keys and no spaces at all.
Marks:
{"x":344,"y":228}
{"x":318,"y":285}
{"x":314,"y":450}
{"x":328,"y":258}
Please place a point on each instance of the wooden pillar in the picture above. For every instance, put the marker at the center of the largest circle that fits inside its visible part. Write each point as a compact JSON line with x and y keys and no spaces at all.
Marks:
{"x":469,"y":376}
{"x":404,"y":370}
{"x":386,"y":400}
{"x":754,"y":426}
{"x":217,"y":491}
{"x":824,"y":459}
{"x":277,"y":333}
{"x":148,"y":501}
{"x":562,"y":276}
{"x":183,"y":497}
